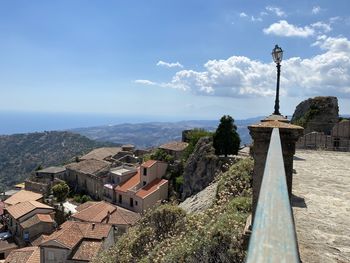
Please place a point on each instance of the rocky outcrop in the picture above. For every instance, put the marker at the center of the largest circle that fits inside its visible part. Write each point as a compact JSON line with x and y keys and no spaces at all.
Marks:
{"x":201,"y":167}
{"x":200,"y":201}
{"x":318,"y":114}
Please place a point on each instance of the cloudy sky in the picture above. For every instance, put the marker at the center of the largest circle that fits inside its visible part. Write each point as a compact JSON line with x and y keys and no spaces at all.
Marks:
{"x":185,"y":59}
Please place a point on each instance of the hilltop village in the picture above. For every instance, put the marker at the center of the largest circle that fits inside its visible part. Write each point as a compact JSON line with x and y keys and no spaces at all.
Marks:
{"x":72,"y":213}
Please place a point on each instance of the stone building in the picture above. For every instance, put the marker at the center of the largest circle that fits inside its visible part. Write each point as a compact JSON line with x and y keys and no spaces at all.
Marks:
{"x":341,"y":136}
{"x":144,"y":189}
{"x":28,"y":220}
{"x":88,"y":176}
{"x":76,"y":242}
{"x":175,"y":149}
{"x":338,"y":140}
{"x":45,"y":179}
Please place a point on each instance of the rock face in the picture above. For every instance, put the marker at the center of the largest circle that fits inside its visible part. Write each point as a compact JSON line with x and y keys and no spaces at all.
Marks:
{"x":200,"y":201}
{"x":201,"y":167}
{"x":317,"y":114}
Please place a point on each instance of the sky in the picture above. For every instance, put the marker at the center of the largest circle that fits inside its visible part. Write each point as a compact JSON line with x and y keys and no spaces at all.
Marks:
{"x":183,"y":59}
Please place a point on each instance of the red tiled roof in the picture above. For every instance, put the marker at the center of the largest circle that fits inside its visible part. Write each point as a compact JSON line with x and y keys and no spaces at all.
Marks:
{"x":24,"y":255}
{"x":38,"y":218}
{"x":85,"y":205}
{"x":151,"y":187}
{"x":24,"y":208}
{"x":95,"y":212}
{"x":122,"y":216}
{"x":128,"y":184}
{"x":72,"y":232}
{"x":87,"y":250}
{"x":101,"y":153}
{"x":98,"y":212}
{"x":22,"y":196}
{"x":149,"y":163}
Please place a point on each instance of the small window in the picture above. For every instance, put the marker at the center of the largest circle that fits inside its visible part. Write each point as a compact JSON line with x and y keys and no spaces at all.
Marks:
{"x":144,"y":183}
{"x":136,"y":203}
{"x":131,"y":202}
{"x":144,"y":171}
{"x":51,"y":255}
{"x":120,"y":199}
{"x":2,"y":255}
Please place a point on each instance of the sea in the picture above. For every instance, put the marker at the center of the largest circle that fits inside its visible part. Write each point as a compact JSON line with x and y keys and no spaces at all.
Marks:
{"x":24,"y":122}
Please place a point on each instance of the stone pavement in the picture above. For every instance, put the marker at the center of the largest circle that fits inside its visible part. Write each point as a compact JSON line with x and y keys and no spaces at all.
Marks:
{"x":321,"y":205}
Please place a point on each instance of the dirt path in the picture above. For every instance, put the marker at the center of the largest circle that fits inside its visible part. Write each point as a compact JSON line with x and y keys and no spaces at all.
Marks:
{"x":321,"y":205}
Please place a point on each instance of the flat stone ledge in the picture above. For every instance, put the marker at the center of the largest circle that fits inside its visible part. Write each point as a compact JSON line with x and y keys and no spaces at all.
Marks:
{"x":321,"y":205}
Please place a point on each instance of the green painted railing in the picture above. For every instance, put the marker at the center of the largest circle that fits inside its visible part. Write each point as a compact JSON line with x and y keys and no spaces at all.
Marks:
{"x":273,"y":236}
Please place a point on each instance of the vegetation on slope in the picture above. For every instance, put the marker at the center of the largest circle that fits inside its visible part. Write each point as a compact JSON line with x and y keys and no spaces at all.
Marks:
{"x":168,"y":234}
{"x":22,"y":153}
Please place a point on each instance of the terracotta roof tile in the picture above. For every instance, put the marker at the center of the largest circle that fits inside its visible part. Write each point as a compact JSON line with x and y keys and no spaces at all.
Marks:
{"x":72,"y":232}
{"x":87,"y":250}
{"x":24,"y":255}
{"x":149,"y":163}
{"x":85,"y":205}
{"x":128,"y":184}
{"x":151,"y":187}
{"x":95,"y":212}
{"x":36,"y":219}
{"x":24,"y":208}
{"x":122,"y":216}
{"x":22,"y":196}
{"x":174,"y":146}
{"x":101,"y":153}
{"x":98,"y":212}
{"x":90,"y":166}
{"x":39,"y":240}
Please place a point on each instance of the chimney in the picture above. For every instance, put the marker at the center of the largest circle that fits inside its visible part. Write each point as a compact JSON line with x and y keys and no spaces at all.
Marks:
{"x":108,"y":216}
{"x":93,"y":226}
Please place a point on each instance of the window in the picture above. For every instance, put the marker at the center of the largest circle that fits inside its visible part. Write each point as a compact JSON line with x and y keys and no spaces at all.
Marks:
{"x":131,"y":202}
{"x":120,"y":199}
{"x":51,"y":255}
{"x":144,"y":171}
{"x":336,"y":143}
{"x":136,"y":203}
{"x":2,"y":255}
{"x":144,"y":183}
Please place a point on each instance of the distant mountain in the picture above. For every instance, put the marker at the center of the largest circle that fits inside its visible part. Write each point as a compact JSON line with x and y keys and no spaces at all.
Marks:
{"x":150,"y":134}
{"x":20,"y":154}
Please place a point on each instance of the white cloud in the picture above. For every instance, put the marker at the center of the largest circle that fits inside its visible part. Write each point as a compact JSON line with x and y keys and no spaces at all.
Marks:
{"x":322,"y":26}
{"x":283,"y":28}
{"x":325,"y":74}
{"x":145,"y":82}
{"x":243,"y":14}
{"x":169,"y":65}
{"x":316,"y":9}
{"x":276,"y":10}
{"x":255,"y":19}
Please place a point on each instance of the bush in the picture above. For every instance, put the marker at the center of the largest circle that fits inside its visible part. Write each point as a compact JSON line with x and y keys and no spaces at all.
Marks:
{"x":60,"y":191}
{"x":193,"y":137}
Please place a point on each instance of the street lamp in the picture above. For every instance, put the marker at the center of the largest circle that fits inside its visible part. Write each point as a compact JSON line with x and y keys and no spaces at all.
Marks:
{"x":277,"y":54}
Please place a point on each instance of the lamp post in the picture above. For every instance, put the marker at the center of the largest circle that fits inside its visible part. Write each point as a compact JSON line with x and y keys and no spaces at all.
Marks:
{"x":277,"y":54}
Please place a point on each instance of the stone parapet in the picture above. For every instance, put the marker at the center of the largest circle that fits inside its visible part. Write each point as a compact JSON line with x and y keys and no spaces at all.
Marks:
{"x":261,"y":133}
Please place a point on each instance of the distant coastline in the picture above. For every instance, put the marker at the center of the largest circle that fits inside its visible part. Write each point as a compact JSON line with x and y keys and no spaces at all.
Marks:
{"x":12,"y":122}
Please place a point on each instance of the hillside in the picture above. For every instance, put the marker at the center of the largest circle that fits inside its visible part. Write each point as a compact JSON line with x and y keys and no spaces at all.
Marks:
{"x":169,"y":234}
{"x":150,"y":134}
{"x":21,"y":153}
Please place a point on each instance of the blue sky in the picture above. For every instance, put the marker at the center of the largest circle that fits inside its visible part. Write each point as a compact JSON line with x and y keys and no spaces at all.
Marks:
{"x":184,"y":59}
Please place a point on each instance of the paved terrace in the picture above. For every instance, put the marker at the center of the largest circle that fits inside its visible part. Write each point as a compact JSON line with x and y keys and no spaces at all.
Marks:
{"x":321,"y":205}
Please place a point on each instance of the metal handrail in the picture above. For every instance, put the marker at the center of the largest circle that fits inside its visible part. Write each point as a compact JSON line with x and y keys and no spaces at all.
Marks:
{"x":273,"y":237}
